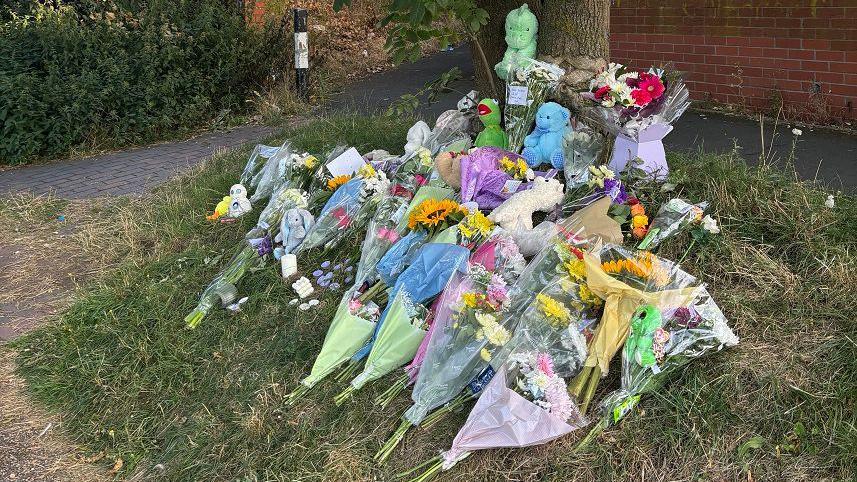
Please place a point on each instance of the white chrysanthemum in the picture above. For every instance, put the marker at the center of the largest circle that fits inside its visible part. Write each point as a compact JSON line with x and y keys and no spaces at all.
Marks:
{"x":710,"y":224}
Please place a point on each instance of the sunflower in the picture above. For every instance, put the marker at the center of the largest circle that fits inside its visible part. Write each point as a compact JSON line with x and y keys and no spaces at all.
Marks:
{"x":337,"y":181}
{"x":644,"y":266}
{"x":431,"y":213}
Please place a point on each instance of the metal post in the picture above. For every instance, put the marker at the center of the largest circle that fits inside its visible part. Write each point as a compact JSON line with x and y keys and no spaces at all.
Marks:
{"x":301,"y":52}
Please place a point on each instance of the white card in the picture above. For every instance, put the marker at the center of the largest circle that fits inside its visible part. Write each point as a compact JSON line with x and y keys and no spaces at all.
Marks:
{"x":511,"y":186}
{"x":517,"y":95}
{"x":346,"y":163}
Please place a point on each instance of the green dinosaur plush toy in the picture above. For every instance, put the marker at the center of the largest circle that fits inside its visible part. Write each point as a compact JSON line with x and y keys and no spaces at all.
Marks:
{"x":521,"y":29}
{"x":493,"y":134}
{"x":644,"y":323}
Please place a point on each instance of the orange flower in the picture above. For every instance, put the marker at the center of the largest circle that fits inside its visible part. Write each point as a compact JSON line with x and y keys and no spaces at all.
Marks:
{"x":431,"y":213}
{"x":638,"y":210}
{"x":644,"y":266}
{"x":337,"y":181}
{"x":640,"y":233}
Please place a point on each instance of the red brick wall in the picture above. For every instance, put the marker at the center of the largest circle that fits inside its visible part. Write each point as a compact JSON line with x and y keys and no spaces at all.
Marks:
{"x":751,"y":53}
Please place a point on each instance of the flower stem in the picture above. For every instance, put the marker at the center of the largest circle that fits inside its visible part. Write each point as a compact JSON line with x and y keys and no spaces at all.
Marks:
{"x":594,"y":432}
{"x":344,"y":395}
{"x":194,"y":318}
{"x":434,"y":461}
{"x":579,"y":382}
{"x":387,"y":449}
{"x":296,"y":395}
{"x":692,"y":243}
{"x":590,"y":388}
{"x":443,"y":411}
{"x":391,"y":393}
{"x":347,"y":372}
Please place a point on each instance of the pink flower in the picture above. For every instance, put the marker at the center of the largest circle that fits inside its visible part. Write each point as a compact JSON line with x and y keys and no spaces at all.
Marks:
{"x":652,"y":85}
{"x":545,"y":364}
{"x":641,"y":97}
{"x":560,"y":401}
{"x":340,"y":214}
{"x":354,"y":305}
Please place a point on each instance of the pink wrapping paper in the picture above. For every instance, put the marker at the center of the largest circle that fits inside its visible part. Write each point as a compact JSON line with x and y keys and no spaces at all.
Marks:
{"x":502,"y":418}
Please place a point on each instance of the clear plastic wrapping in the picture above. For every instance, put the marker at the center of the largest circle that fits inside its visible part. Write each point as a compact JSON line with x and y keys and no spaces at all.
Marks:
{"x":529,"y":85}
{"x":273,"y":173}
{"x":673,"y":217}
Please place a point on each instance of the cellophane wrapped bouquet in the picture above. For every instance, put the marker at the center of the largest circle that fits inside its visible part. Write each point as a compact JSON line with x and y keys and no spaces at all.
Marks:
{"x":628,"y":102}
{"x":528,"y":86}
{"x":673,"y":217}
{"x":625,"y":279}
{"x":661,"y":343}
{"x":469,"y":326}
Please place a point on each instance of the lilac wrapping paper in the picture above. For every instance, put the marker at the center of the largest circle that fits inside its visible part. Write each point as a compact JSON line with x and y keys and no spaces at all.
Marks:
{"x":648,"y":147}
{"x":502,"y":418}
{"x":481,"y":179}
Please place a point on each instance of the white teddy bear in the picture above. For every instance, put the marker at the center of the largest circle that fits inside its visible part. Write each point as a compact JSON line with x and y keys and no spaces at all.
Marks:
{"x":239,"y":204}
{"x":517,"y":211}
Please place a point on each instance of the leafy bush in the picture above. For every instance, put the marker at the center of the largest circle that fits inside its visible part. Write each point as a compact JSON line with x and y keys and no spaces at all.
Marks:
{"x":118,"y":76}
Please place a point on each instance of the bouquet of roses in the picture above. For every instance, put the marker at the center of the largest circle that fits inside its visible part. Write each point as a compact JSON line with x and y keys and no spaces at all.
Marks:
{"x":625,"y":279}
{"x":469,"y":326}
{"x":660,"y":344}
{"x":528,"y":86}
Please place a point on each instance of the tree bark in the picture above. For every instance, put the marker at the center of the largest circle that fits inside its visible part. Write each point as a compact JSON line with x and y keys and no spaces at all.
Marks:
{"x":573,"y":34}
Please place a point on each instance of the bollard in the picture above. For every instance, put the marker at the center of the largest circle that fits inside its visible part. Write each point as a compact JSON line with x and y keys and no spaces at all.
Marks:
{"x":301,"y":53}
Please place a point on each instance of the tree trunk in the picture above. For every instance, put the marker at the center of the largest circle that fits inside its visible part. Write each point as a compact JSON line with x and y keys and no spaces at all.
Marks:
{"x":572,"y":34}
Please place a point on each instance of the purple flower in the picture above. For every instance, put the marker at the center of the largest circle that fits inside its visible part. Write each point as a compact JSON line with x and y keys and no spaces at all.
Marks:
{"x":325,"y":264}
{"x":337,"y":267}
{"x":317,"y":273}
{"x":616,"y":191}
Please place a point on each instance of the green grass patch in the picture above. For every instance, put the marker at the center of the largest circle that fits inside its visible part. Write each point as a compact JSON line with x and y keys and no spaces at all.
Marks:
{"x":209,"y":404}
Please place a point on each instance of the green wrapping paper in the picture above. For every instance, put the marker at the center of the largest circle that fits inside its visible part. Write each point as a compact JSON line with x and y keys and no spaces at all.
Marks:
{"x":346,"y":335}
{"x":395,"y":345}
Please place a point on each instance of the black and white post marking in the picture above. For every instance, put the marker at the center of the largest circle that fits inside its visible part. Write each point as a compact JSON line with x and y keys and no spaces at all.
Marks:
{"x":301,"y":52}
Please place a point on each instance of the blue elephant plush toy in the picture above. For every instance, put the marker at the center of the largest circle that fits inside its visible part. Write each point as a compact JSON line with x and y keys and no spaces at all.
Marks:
{"x":544,"y":144}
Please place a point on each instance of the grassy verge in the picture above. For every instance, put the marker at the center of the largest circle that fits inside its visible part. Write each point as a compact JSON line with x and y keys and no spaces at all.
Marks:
{"x":208,"y":404}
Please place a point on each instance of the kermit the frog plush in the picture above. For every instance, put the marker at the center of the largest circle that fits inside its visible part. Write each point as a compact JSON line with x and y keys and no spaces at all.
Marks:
{"x":521,"y":29}
{"x":644,"y":323}
{"x":493,"y":134}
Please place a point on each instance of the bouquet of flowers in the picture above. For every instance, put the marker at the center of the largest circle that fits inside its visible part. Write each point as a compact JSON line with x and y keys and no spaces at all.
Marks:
{"x":347,"y":209}
{"x":528,"y":86}
{"x":489,"y":174}
{"x":581,"y":150}
{"x":469,"y":326}
{"x":661,"y":343}
{"x":349,"y":333}
{"x":274,"y":172}
{"x":624,"y":279}
{"x":638,"y":108}
{"x":527,"y":402}
{"x":672,"y":218}
{"x":258,"y":158}
{"x":396,"y":338}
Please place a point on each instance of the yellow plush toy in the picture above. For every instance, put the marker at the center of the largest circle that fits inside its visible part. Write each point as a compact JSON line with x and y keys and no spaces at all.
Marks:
{"x":221,"y":208}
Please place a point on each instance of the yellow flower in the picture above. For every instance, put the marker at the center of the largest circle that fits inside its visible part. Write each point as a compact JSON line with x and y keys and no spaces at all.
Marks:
{"x":470,"y":300}
{"x":485,"y":319}
{"x":576,"y":269}
{"x":425,"y":157}
{"x":644,"y":266}
{"x":432,"y":213}
{"x":367,"y":171}
{"x":337,"y":181}
{"x":310,"y":162}
{"x":588,"y":297}
{"x":639,"y":221}
{"x":485,"y":354}
{"x":475,"y":223}
{"x":557,"y":314}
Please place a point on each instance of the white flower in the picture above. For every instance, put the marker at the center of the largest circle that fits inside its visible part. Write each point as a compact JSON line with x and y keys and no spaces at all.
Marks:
{"x":830,"y":203}
{"x":485,"y":319}
{"x":797,"y":131}
{"x":710,"y":224}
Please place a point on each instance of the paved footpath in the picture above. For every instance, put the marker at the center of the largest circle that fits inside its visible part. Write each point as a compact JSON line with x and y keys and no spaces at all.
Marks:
{"x":126,"y":172}
{"x":830,"y":157}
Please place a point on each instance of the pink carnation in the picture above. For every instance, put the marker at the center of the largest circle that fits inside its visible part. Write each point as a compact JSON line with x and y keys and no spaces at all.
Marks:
{"x":545,"y":364}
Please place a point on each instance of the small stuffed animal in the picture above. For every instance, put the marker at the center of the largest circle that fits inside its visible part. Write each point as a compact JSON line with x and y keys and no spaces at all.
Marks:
{"x":545,"y":143}
{"x":418,"y":134}
{"x":521,"y":29}
{"x":644,"y":322}
{"x":221,"y":209}
{"x":293,"y":228}
{"x":517,"y":211}
{"x":448,"y":165}
{"x":239,"y":204}
{"x":492,"y":135}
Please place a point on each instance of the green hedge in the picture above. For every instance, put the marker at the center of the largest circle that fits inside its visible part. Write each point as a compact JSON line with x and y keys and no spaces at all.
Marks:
{"x":117,"y":77}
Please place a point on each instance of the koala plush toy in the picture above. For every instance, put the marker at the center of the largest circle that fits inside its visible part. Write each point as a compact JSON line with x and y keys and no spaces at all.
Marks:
{"x":544,"y":144}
